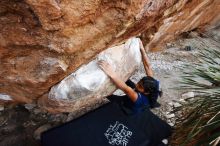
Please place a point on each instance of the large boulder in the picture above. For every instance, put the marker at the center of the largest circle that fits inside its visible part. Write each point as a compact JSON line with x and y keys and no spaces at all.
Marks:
{"x":43,"y":41}
{"x":89,"y":84}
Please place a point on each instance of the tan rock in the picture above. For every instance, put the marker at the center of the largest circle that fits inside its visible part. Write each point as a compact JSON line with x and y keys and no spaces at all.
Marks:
{"x":181,"y":17}
{"x":42,"y":42}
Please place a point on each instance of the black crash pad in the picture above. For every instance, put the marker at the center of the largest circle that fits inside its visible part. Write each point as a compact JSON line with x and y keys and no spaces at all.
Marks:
{"x":109,"y":126}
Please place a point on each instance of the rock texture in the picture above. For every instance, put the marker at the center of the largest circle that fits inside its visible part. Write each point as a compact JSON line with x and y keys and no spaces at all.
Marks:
{"x":182,"y":17}
{"x":42,"y":42}
{"x":89,"y":84}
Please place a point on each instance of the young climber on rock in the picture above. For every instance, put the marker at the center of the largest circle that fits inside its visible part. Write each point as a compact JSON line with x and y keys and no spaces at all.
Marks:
{"x":140,"y":96}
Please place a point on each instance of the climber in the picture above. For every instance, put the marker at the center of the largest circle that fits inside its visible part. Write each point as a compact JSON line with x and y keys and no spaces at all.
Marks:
{"x":140,"y":96}
{"x":126,"y":120}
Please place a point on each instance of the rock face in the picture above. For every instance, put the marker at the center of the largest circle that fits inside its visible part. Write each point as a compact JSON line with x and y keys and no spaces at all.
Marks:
{"x":182,"y":17}
{"x":42,"y":42}
{"x":89,"y":83}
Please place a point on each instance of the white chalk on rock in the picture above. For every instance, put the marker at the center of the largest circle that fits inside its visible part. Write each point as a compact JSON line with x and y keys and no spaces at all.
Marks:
{"x":89,"y":83}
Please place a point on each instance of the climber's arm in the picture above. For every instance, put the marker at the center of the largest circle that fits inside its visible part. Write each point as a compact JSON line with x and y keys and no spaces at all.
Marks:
{"x":117,"y":81}
{"x":146,"y":61}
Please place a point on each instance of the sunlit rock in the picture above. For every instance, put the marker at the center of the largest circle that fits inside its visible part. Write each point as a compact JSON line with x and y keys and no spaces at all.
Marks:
{"x":89,"y":83}
{"x":44,"y":41}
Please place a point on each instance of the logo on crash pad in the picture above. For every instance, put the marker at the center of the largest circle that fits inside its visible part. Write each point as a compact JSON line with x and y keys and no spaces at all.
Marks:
{"x":118,"y":134}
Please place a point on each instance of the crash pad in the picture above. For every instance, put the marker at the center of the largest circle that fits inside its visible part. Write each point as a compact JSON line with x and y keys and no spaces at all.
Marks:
{"x":109,"y":125}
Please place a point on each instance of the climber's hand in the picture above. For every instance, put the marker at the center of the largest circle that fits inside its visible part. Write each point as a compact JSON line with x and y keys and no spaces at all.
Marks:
{"x":107,"y":68}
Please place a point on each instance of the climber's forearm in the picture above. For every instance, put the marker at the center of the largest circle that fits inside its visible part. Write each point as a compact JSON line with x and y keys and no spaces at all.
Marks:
{"x":117,"y":80}
{"x":145,"y":58}
{"x":125,"y":88}
{"x":146,"y":63}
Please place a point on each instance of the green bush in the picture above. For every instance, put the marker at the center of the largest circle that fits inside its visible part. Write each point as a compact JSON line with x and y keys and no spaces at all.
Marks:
{"x":200,"y":123}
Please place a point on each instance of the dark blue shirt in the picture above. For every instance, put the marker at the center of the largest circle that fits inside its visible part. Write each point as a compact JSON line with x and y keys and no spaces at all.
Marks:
{"x":141,"y":102}
{"x":139,"y":105}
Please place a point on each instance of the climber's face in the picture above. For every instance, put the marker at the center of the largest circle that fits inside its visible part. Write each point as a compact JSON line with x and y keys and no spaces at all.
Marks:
{"x":139,"y":86}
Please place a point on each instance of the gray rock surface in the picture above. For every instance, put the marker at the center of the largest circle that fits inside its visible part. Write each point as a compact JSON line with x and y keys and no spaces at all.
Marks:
{"x":188,"y":95}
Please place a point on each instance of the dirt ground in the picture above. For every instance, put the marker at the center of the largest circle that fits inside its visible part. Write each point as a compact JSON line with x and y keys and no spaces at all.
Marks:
{"x":21,"y":125}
